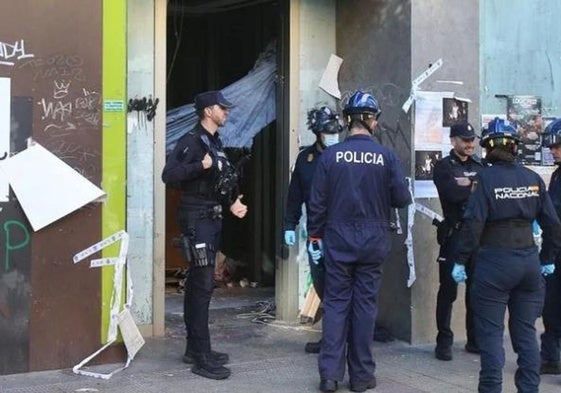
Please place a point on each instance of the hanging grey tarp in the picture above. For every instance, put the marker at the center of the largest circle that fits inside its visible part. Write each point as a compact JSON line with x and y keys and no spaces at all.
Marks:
{"x":255,"y":106}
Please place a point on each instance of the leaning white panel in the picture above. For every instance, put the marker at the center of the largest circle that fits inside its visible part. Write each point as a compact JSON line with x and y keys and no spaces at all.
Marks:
{"x":46,"y":187}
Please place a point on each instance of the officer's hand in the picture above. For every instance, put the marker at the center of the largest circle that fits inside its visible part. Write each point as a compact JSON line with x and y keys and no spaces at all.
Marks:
{"x":315,"y":248}
{"x":237,"y":208}
{"x":207,"y":161}
{"x":547,"y":269}
{"x":459,"y":273}
{"x":463,"y":181}
{"x":289,"y":238}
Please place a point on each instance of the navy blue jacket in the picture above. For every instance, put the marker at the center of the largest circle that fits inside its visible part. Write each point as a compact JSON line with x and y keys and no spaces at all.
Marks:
{"x":454,"y":197}
{"x":301,"y":184}
{"x":355,"y":185}
{"x":508,"y":191}
{"x":555,"y":195}
{"x":184,"y":168}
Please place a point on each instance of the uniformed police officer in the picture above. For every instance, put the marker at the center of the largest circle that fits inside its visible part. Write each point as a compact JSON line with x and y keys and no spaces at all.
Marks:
{"x":355,"y":185}
{"x":505,"y":200}
{"x":551,"y":315}
{"x":324,"y":123}
{"x":452,"y":177}
{"x":199,"y":166}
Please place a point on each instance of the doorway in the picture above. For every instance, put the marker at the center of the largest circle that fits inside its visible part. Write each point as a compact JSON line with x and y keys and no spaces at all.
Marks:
{"x":210,"y":45}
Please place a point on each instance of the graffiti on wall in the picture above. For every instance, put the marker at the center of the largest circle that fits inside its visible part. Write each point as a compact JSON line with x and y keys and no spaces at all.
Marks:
{"x":10,"y":53}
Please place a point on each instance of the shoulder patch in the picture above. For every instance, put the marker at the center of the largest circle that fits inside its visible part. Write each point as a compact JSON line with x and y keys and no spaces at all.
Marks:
{"x":310,"y":157}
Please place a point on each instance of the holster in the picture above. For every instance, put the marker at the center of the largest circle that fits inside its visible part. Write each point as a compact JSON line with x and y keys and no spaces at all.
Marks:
{"x":200,"y":252}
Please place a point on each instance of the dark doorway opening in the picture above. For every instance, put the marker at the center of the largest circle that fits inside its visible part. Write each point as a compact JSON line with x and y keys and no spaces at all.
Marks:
{"x":210,"y":45}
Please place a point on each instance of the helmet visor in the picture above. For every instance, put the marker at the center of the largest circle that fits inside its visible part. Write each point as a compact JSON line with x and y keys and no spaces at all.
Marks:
{"x":331,"y":127}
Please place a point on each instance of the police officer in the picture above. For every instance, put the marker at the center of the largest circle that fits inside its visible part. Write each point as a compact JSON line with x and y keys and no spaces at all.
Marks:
{"x":452,"y":177}
{"x":551,"y":315}
{"x":506,"y":198}
{"x":199,"y":166}
{"x":324,"y":123}
{"x":354,"y":187}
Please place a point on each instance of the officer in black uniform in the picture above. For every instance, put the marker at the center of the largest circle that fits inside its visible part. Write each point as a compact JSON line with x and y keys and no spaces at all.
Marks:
{"x":355,"y":185}
{"x":506,"y":198}
{"x":199,"y":166}
{"x":551,"y":315}
{"x":324,"y":123}
{"x":452,"y":177}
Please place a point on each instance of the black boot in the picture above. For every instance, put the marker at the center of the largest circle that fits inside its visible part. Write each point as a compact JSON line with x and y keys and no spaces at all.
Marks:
{"x":206,"y":367}
{"x":219,"y":358}
{"x":313,"y":347}
{"x":443,"y":352}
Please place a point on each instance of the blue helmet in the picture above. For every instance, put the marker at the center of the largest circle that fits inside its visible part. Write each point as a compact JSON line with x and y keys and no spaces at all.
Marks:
{"x":362,"y":103}
{"x":324,"y":120}
{"x":552,"y":134}
{"x":498,"y":132}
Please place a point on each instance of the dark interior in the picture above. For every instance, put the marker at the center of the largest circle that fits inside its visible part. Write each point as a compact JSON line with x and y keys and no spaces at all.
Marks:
{"x":211,"y":44}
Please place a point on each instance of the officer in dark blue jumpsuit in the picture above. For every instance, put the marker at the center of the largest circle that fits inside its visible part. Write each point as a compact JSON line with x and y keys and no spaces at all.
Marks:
{"x":199,"y":166}
{"x":506,"y":198}
{"x":551,"y":315}
{"x":355,"y":185}
{"x":452,"y":177}
{"x":324,"y":123}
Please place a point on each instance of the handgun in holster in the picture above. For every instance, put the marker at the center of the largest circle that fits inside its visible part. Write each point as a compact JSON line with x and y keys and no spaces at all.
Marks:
{"x":184,"y":244}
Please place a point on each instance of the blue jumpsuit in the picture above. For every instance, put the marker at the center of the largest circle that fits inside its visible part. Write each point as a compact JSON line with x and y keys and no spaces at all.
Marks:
{"x":453,"y":199}
{"x":355,"y":185}
{"x":551,"y":315}
{"x":298,"y":194}
{"x":506,"y":198}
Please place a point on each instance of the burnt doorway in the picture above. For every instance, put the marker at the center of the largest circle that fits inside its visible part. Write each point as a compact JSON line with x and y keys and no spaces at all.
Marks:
{"x":210,"y":45}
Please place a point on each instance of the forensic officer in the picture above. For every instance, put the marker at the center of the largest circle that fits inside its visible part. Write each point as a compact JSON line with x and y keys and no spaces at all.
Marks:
{"x":506,"y":198}
{"x":199,"y":166}
{"x":324,"y":123}
{"x":355,"y":185}
{"x":551,"y":315}
{"x":452,"y":177}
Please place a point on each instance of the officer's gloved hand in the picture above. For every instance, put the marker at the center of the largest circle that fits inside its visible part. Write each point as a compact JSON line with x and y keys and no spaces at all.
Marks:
{"x":547,"y":269}
{"x":315,"y":248}
{"x":459,"y":273}
{"x":289,"y":238}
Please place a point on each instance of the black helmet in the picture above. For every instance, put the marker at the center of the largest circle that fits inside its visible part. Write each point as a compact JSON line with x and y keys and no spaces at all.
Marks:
{"x":324,"y":120}
{"x":498,"y":132}
{"x":552,"y":134}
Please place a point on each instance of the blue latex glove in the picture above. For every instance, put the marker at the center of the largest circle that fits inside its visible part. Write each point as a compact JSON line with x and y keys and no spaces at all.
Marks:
{"x":316,"y":252}
{"x":547,"y":269}
{"x":289,"y":238}
{"x":459,"y":273}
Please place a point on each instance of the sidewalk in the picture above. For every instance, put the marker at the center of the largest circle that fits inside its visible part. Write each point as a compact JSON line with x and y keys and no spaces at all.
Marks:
{"x":265,"y":358}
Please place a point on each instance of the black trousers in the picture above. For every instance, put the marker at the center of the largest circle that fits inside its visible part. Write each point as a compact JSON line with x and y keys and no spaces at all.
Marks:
{"x":200,"y":280}
{"x":551,"y":315}
{"x":447,"y":294}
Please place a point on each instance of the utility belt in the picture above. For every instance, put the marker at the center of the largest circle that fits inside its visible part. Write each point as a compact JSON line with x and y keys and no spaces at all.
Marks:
{"x":212,"y":212}
{"x":511,"y":234}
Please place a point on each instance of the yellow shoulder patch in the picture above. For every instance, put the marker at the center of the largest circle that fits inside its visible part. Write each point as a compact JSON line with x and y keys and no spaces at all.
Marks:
{"x":310,"y":157}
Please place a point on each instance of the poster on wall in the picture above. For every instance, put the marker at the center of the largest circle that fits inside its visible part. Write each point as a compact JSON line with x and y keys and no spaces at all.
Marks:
{"x":432,"y":137}
{"x":524,"y":113}
{"x":454,"y":111}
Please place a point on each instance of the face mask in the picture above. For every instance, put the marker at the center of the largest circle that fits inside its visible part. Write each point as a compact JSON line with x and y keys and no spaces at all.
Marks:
{"x":330,"y":139}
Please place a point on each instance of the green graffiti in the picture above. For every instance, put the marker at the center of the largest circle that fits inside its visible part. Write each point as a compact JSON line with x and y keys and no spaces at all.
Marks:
{"x":9,"y":245}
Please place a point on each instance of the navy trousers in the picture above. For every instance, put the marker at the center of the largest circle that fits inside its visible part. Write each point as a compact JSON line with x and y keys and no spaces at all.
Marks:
{"x":551,"y":315}
{"x":507,"y":278}
{"x":200,"y":280}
